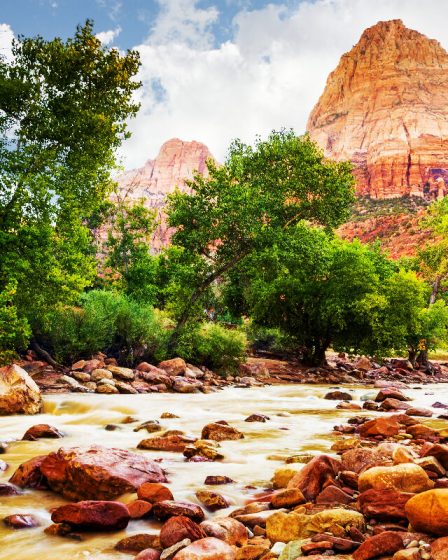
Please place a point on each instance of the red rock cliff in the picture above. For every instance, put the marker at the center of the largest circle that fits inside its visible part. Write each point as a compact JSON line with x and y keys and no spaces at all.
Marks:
{"x":385,"y":108}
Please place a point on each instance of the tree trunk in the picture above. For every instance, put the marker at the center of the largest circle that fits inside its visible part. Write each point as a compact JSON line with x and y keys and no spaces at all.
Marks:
{"x":422,"y":358}
{"x":412,"y":355}
{"x":315,"y":356}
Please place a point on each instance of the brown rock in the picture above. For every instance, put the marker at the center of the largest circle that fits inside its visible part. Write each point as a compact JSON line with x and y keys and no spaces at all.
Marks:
{"x":148,"y":554}
{"x":207,"y":549}
{"x":174,"y":367}
{"x":316,"y":547}
{"x":29,"y":475}
{"x":391,"y":393}
{"x":97,"y":472}
{"x":318,"y":473}
{"x":379,"y":427}
{"x":137,"y":543}
{"x":439,"y":451}
{"x":21,"y":521}
{"x":126,"y":374}
{"x":215,"y":480}
{"x":420,"y":431}
{"x":424,"y":412}
{"x":338,"y":396}
{"x":42,"y":431}
{"x":226,"y":529}
{"x":361,"y":458}
{"x":93,"y":515}
{"x":393,"y":404}
{"x":439,"y":549}
{"x":220,"y":432}
{"x":257,"y":418}
{"x":174,"y":443}
{"x":428,"y":512}
{"x":406,"y":477}
{"x":139,"y":509}
{"x":386,"y":543}
{"x":287,"y":498}
{"x":179,"y":528}
{"x":333,"y":495}
{"x":348,"y":120}
{"x":384,"y":505}
{"x":211,"y":500}
{"x":170,"y":508}
{"x":154,"y":492}
{"x":19,"y":394}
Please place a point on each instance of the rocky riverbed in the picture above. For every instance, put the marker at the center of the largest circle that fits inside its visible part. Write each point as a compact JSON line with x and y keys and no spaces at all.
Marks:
{"x":276,"y":481}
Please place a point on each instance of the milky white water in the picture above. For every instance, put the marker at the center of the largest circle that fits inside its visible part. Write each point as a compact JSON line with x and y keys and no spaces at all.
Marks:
{"x":301,"y":421}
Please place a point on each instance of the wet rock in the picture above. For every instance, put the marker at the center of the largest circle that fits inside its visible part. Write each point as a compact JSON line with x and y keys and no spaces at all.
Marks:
{"x":9,"y":490}
{"x":168,"y":415}
{"x":338,"y":396}
{"x":428,"y":512}
{"x":394,"y":404}
{"x":150,"y":426}
{"x":406,"y":477}
{"x":137,"y":543}
{"x":207,"y":549}
{"x":348,"y":406}
{"x":215,"y":480}
{"x":383,"y":426}
{"x":173,"y":367}
{"x":29,"y":475}
{"x":230,"y":530}
{"x":175,"y":443}
{"x":98,"y":472}
{"x":93,"y":515}
{"x":179,"y":528}
{"x":287,"y":498}
{"x":73,"y":385}
{"x":19,"y":394}
{"x":361,"y":458}
{"x":3,"y":466}
{"x":423,"y":412}
{"x":333,"y":495}
{"x":439,"y":549}
{"x":314,"y":476}
{"x":21,"y":521}
{"x":170,"y":553}
{"x":139,"y":509}
{"x":148,"y":554}
{"x":42,"y":431}
{"x":391,"y":393}
{"x":154,"y":492}
{"x":220,"y":432}
{"x":211,"y":500}
{"x":384,"y":504}
{"x":257,"y":418}
{"x":122,"y":373}
{"x":383,"y":544}
{"x":420,"y":431}
{"x":284,"y":475}
{"x":170,"y":508}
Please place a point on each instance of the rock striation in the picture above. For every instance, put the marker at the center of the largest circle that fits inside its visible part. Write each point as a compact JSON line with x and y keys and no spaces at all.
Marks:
{"x":385,"y":108}
{"x":176,"y":163}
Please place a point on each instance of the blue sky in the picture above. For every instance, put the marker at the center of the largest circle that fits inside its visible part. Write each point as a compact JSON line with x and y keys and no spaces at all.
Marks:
{"x":214,"y":70}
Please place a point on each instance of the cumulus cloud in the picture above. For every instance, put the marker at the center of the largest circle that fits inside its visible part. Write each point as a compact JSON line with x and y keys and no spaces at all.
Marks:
{"x":268,"y":76}
{"x":106,"y":37}
{"x":6,"y":37}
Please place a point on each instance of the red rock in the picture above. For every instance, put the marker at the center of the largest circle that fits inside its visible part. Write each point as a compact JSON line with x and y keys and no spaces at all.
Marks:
{"x":207,"y":549}
{"x":439,"y":549}
{"x":333,"y":495}
{"x":9,"y":490}
{"x":98,"y":472}
{"x":361,"y":458}
{"x":383,"y":544}
{"x":139,"y":509}
{"x":93,"y":515}
{"x":29,"y":475}
{"x":154,"y":492}
{"x":257,"y":418}
{"x":175,"y":366}
{"x":214,"y":480}
{"x":226,"y":529}
{"x":314,"y":476}
{"x":148,"y":554}
{"x":288,"y":497}
{"x":394,"y":404}
{"x":220,"y":432}
{"x":175,"y":443}
{"x":42,"y":431}
{"x":339,"y":544}
{"x":137,"y":543}
{"x":338,"y":396}
{"x":315,"y":547}
{"x":391,"y":393}
{"x":424,"y":412}
{"x":384,"y":505}
{"x":169,"y":508}
{"x":21,"y":521}
{"x":420,"y":431}
{"x":382,"y":426}
{"x":179,"y":528}
{"x":439,"y":451}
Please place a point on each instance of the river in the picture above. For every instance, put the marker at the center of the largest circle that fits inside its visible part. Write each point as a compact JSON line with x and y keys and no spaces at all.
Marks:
{"x":300,"y":421}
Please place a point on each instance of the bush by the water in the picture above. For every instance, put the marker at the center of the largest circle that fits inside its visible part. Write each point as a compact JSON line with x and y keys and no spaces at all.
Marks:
{"x":14,"y":331}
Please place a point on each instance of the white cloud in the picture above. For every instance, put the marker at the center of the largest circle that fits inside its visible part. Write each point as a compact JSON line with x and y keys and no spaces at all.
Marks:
{"x":106,"y":37}
{"x":6,"y":37}
{"x":268,"y":76}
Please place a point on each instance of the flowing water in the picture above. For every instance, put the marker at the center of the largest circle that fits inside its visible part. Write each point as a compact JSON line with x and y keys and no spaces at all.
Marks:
{"x":301,"y":421}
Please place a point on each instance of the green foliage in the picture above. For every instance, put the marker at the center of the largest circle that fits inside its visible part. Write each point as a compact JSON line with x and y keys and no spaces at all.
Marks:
{"x":64,"y":107}
{"x":105,"y":321}
{"x":260,"y":194}
{"x":270,"y":340}
{"x":14,"y":332}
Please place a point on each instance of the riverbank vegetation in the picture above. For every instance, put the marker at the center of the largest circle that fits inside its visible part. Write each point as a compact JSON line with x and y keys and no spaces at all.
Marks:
{"x":253,"y":259}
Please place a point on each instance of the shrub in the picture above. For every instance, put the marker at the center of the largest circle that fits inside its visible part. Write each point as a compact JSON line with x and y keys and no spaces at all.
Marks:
{"x":14,"y":331}
{"x":271,"y":340}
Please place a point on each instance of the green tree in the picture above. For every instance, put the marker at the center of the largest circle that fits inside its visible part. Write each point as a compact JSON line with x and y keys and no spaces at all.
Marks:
{"x":259,"y":194}
{"x":63,"y":113}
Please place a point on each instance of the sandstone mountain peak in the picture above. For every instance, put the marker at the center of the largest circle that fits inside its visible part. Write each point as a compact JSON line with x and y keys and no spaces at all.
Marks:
{"x":385,"y":108}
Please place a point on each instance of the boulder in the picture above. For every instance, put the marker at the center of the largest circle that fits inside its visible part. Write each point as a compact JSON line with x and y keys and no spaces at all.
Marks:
{"x":220,"y":432}
{"x":29,"y":475}
{"x":364,"y":364}
{"x":170,"y":508}
{"x":361,"y":458}
{"x":207,"y":549}
{"x":91,"y":473}
{"x":439,"y":451}
{"x":226,"y":529}
{"x":93,"y":515}
{"x":173,"y":367}
{"x":394,"y":404}
{"x":384,"y":505}
{"x":99,"y":374}
{"x":211,"y":500}
{"x":137,"y":543}
{"x":319,"y":472}
{"x":422,"y":412}
{"x":382,"y":426}
{"x":178,"y":528}
{"x":123,"y":373}
{"x":406,"y":477}
{"x":428,"y":512}
{"x":333,"y":495}
{"x":439,"y":549}
{"x":154,"y":492}
{"x":289,"y":497}
{"x":391,"y":393}
{"x":186,"y":385}
{"x":138,"y":509}
{"x":284,"y":475}
{"x":19,"y":394}
{"x":42,"y":431}
{"x":383,"y":544}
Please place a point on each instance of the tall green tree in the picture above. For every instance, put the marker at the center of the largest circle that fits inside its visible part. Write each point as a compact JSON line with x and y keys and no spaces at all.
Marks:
{"x":259,"y":194}
{"x":63,"y":112}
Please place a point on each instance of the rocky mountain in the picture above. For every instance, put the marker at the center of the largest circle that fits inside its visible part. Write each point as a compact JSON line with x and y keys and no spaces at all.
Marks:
{"x":176,"y":162}
{"x":385,"y":108}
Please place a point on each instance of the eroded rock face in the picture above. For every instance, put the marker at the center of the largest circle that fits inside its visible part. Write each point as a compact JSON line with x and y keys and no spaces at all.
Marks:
{"x":19,"y":394}
{"x":94,"y":473}
{"x":385,"y":108}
